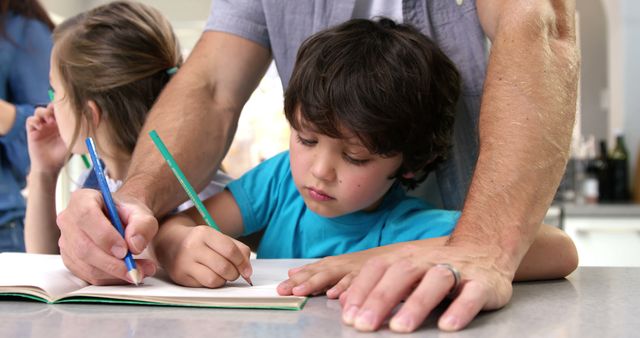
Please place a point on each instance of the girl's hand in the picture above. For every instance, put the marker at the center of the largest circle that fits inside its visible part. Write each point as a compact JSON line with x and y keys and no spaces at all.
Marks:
{"x":46,"y":148}
{"x":205,"y":257}
{"x":332,"y":275}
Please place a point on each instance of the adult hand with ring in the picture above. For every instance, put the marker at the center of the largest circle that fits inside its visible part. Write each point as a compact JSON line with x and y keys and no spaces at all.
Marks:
{"x":416,"y":275}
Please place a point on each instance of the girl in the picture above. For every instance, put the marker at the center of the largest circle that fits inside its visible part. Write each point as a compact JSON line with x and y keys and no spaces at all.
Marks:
{"x":108,"y":66}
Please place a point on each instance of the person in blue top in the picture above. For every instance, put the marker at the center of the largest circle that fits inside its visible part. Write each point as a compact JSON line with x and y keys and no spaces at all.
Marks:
{"x":25,"y":45}
{"x":371,"y":106}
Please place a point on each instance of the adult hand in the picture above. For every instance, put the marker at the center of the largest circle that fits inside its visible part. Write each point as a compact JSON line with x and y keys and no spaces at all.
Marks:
{"x":90,"y":245}
{"x":411,"y":273}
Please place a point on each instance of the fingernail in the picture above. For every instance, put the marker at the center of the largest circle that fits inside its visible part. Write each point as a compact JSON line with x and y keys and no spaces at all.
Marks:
{"x":330,"y":292}
{"x":247,"y":272}
{"x":349,"y":315}
{"x":449,"y":323}
{"x":364,"y":321}
{"x":118,"y":251}
{"x":401,"y":324}
{"x":138,"y":243}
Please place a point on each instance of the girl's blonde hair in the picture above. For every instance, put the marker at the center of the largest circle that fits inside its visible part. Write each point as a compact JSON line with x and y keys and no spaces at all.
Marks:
{"x":119,"y":56}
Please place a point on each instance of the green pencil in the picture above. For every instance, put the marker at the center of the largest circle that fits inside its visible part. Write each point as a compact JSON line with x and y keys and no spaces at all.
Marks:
{"x":183,"y":180}
{"x":185,"y":184}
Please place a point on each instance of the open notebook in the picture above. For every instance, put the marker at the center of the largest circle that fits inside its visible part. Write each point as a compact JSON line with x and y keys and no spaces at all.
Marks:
{"x":45,"y":278}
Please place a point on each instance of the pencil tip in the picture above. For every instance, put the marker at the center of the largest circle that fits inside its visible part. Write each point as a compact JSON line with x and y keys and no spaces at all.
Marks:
{"x":135,"y":276}
{"x":249,"y":281}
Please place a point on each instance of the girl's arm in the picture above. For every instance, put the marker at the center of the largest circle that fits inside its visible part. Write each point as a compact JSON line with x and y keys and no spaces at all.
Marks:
{"x":552,"y":255}
{"x":47,"y":152}
{"x":197,"y":255}
{"x":40,"y":230}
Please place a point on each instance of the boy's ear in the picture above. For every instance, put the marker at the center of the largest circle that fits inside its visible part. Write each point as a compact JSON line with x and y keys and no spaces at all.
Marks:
{"x":95,"y":112}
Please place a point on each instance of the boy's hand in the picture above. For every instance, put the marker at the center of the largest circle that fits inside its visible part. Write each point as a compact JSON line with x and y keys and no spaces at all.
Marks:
{"x":46,"y":148}
{"x":331,"y":274}
{"x":205,"y":257}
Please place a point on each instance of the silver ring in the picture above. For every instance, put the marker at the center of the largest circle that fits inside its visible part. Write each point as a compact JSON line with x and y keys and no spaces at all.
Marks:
{"x":456,"y":277}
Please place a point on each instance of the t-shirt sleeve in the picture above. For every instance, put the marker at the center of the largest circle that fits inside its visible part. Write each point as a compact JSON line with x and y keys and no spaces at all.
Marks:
{"x":244,"y":18}
{"x":258,"y":193}
{"x":414,"y":221}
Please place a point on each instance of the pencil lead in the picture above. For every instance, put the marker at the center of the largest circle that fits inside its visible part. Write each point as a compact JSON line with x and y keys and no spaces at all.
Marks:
{"x":135,"y":276}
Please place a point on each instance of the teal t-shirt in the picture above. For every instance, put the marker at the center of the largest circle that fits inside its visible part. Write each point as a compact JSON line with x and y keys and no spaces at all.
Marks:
{"x":267,"y":197}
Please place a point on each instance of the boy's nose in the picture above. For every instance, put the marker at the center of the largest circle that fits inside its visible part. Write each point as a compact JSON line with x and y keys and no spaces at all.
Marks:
{"x":323,"y":169}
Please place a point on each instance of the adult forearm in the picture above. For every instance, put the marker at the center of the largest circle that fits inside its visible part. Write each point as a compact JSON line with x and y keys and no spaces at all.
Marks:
{"x":196,"y":131}
{"x":196,"y":116}
{"x":526,"y":119}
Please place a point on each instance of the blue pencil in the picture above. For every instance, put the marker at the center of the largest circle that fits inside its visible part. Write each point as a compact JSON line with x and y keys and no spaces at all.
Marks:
{"x":111,"y":207}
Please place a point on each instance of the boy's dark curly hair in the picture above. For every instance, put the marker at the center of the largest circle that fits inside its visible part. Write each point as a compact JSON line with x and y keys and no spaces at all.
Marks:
{"x":386,"y":83}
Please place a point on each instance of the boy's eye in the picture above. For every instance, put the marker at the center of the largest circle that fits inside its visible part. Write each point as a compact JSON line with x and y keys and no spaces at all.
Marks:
{"x":305,"y":142}
{"x":355,"y":161}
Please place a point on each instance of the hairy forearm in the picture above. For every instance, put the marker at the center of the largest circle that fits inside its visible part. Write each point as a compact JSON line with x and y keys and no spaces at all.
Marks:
{"x":40,"y":231}
{"x":526,"y":118}
{"x":196,"y":116}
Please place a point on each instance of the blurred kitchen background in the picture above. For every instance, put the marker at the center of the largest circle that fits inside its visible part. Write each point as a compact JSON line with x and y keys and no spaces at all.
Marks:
{"x":598,"y":200}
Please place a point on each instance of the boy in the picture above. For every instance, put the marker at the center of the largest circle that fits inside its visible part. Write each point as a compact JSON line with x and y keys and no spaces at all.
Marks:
{"x":371,"y":108}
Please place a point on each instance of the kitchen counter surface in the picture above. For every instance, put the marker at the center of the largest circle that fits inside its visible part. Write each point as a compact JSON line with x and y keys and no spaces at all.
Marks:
{"x":591,"y":302}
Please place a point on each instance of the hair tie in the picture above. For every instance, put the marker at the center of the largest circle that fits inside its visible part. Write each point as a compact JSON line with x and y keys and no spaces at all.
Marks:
{"x":172,"y":70}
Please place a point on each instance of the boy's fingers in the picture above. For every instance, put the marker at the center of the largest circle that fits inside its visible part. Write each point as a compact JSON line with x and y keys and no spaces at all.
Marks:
{"x":217,"y":264}
{"x":227,"y":248}
{"x":205,"y":276}
{"x":317,"y":282}
{"x":339,"y":289}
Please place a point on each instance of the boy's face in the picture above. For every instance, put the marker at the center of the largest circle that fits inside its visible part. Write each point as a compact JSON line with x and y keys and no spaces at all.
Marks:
{"x":338,"y":176}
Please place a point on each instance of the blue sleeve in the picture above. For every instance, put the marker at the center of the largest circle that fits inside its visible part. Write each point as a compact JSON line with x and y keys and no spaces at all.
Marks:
{"x":258,"y":192}
{"x":28,"y":84}
{"x":417,"y":222}
{"x":244,"y":18}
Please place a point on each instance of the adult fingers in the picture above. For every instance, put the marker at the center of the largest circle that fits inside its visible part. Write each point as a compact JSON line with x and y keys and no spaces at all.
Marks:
{"x":84,"y":215}
{"x":472,"y":298}
{"x":86,"y":272}
{"x":371,"y":272}
{"x":433,"y":288}
{"x":140,"y":224}
{"x":398,"y":281}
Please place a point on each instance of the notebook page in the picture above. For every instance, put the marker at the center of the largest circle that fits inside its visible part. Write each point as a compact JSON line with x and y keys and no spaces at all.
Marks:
{"x":44,"y":272}
{"x":267,"y":274}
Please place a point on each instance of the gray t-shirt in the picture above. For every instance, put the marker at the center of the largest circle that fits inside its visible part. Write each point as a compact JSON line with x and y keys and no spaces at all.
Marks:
{"x":282,"y":26}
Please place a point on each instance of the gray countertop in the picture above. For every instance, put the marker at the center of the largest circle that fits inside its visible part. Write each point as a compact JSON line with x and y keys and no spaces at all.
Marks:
{"x":592,"y":302}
